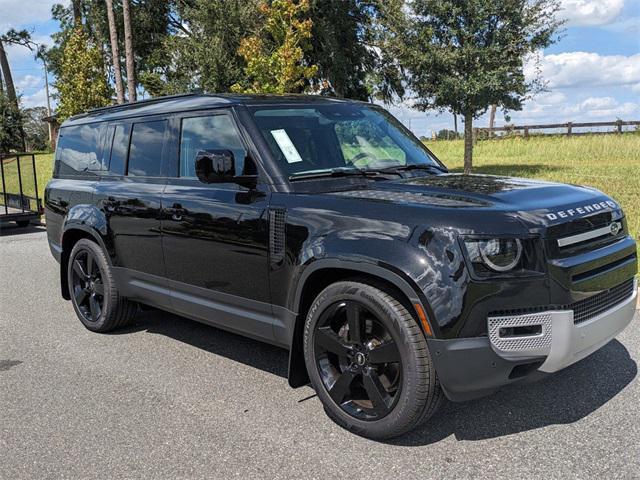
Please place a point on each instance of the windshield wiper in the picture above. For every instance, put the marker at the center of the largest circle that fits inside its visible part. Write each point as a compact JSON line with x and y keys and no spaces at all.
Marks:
{"x":413,"y":166}
{"x":333,"y":172}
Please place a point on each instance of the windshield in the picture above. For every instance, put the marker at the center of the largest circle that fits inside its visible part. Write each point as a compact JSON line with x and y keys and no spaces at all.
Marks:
{"x":310,"y":138}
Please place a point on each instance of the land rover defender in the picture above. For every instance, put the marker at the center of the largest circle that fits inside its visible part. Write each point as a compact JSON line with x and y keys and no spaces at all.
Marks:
{"x":327,"y":228}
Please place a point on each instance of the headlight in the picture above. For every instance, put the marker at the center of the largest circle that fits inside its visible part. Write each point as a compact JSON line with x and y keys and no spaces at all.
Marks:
{"x":500,"y":255}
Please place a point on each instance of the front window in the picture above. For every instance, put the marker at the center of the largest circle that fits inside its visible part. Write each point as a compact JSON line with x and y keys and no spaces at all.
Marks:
{"x":305,"y":139}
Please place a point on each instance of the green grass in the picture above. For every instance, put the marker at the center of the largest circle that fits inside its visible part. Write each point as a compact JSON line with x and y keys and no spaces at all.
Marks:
{"x":610,"y":163}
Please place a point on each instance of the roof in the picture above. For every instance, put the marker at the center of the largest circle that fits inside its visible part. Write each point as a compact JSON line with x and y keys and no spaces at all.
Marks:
{"x":193,"y":101}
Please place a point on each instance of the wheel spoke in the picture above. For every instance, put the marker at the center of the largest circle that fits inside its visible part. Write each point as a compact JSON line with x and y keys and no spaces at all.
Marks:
{"x":342,"y":387}
{"x":94,"y":305}
{"x":80,"y":295}
{"x":77,"y":267}
{"x":330,"y":341}
{"x":90,"y":264}
{"x":387,"y":352}
{"x":355,"y":322}
{"x":98,"y":287}
{"x":376,"y":392}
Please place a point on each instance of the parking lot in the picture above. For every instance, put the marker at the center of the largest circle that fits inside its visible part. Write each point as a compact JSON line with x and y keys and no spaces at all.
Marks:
{"x":170,"y":398}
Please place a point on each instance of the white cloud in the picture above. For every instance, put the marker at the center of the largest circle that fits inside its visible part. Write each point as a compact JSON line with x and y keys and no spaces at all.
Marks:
{"x":37,"y":99}
{"x":573,"y":69}
{"x":590,"y":12}
{"x":28,"y":81}
{"x":605,"y":108}
{"x":19,"y":13}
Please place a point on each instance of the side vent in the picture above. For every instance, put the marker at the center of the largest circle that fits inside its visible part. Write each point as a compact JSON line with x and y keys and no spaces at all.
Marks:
{"x":277,"y":224}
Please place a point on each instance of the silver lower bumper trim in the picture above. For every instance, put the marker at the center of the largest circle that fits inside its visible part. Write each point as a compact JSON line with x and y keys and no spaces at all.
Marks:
{"x":558,"y":338}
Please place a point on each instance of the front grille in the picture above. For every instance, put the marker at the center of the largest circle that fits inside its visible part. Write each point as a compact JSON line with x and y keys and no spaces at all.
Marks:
{"x":583,"y":310}
{"x":559,"y":234}
{"x":580,"y":225}
{"x":591,"y":307}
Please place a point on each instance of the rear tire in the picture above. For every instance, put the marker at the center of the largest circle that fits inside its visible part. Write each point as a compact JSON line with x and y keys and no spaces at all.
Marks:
{"x":23,"y":223}
{"x":368,"y":361}
{"x":94,"y":295}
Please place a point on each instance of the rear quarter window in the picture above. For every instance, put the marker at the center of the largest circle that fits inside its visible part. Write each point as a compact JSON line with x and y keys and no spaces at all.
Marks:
{"x":145,"y":152}
{"x":79,"y":150}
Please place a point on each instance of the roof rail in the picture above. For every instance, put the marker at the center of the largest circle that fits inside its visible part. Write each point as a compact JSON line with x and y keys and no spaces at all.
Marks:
{"x":143,"y":102}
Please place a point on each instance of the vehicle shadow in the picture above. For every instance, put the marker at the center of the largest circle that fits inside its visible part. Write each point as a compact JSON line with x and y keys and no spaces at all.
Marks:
{"x":12,"y":229}
{"x":512,"y":170}
{"x":235,"y":347}
{"x":561,"y":398}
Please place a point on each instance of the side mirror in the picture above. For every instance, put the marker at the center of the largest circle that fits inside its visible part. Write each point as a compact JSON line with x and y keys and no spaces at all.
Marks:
{"x":215,"y":166}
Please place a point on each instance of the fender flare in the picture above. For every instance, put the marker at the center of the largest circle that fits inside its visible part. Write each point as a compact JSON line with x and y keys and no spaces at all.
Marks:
{"x":77,"y":223}
{"x":381,"y":270}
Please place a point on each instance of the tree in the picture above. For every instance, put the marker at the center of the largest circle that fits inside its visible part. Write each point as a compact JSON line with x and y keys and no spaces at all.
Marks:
{"x":202,"y":51}
{"x":113,"y":37}
{"x":128,"y":51}
{"x":12,"y":37}
{"x":275,"y":56}
{"x":36,"y":130}
{"x":468,"y":55}
{"x":81,"y":83}
{"x":10,"y":125}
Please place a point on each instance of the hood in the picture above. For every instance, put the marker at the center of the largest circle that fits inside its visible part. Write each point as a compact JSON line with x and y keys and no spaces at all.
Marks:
{"x":535,"y":202}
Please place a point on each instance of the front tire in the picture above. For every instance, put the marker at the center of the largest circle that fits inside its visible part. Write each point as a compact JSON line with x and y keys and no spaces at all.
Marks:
{"x":93,"y":292}
{"x":368,"y":361}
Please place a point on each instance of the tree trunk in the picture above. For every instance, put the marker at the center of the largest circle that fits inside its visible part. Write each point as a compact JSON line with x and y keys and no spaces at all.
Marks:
{"x":455,"y":123}
{"x":77,"y":13}
{"x":115,"y":52}
{"x":468,"y":142}
{"x":492,"y":119}
{"x":128,"y":50}
{"x":8,"y":78}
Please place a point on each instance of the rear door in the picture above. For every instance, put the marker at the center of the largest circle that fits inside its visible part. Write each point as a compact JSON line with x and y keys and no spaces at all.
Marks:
{"x":215,"y":235}
{"x":130,"y":196}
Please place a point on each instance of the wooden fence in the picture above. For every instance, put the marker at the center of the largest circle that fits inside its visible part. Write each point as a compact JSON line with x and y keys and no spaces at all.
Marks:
{"x":568,"y":127}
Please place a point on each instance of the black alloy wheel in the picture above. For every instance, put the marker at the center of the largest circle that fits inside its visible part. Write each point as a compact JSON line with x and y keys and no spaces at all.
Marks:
{"x":87,"y":286}
{"x":358,"y":360}
{"x":94,"y":295}
{"x":368,"y":359}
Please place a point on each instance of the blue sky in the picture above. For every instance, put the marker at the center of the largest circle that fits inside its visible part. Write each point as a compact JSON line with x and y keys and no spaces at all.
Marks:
{"x":593,"y":73}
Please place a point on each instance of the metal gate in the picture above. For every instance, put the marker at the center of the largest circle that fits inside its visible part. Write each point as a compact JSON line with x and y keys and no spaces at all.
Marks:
{"x":19,"y":200}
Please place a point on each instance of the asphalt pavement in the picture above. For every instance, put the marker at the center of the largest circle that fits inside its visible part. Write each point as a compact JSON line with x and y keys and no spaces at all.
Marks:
{"x":170,"y":398}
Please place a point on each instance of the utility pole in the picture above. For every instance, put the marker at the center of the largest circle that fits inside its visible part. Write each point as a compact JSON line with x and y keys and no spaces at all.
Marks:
{"x":40,"y":55}
{"x":46,"y":90}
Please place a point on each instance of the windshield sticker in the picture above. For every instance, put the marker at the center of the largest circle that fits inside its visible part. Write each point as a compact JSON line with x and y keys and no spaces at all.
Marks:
{"x":286,"y":145}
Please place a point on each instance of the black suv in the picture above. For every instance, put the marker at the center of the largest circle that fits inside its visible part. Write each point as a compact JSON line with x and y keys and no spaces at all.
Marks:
{"x":327,"y":228}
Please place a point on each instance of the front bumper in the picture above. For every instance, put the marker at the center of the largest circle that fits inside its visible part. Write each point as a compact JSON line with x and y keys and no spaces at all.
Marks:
{"x":473,"y":367}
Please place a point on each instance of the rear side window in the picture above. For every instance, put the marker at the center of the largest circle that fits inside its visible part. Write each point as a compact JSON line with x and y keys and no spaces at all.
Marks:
{"x":145,"y":152}
{"x":79,"y":150}
{"x":215,"y":132}
{"x":119,"y":142}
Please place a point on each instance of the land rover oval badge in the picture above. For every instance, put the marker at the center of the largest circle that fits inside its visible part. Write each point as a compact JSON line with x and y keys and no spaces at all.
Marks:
{"x":615,"y":228}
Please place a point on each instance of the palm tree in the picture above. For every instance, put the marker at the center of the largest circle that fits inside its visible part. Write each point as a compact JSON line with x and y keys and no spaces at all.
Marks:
{"x":115,"y":53}
{"x":128,"y":51}
{"x":8,"y":78}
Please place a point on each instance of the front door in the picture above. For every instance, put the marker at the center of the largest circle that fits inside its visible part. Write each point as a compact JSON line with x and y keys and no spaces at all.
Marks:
{"x":215,"y":238}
